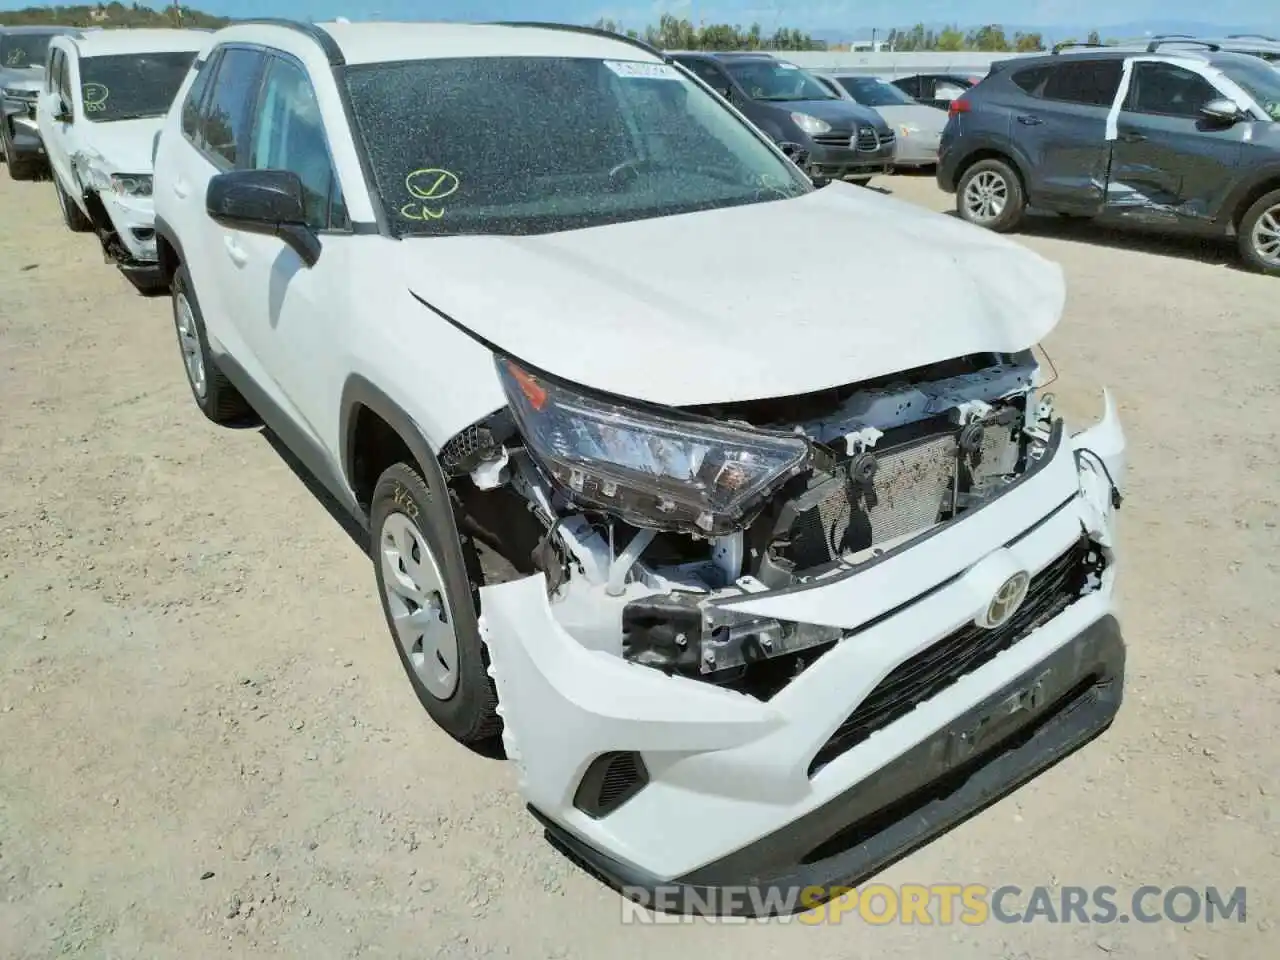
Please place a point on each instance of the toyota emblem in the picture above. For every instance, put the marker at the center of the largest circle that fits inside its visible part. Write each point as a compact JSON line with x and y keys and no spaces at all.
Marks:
{"x":1006,"y":601}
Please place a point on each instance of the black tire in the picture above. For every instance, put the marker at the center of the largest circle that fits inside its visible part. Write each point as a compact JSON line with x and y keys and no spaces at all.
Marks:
{"x":1000,"y":177}
{"x":221,"y":402}
{"x":18,"y":169}
{"x":469,"y":713}
{"x":72,"y":215}
{"x":1259,"y":259}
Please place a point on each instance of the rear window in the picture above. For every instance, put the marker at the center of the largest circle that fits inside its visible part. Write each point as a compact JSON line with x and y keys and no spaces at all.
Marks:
{"x":1088,"y":82}
{"x":1031,"y":78}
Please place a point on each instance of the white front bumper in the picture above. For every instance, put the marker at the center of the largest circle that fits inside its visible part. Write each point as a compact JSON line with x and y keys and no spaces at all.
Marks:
{"x":129,"y":214}
{"x":726,"y":769}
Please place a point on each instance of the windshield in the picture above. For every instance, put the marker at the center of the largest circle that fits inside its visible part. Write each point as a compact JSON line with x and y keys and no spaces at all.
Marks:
{"x":526,"y":145}
{"x":874,"y":92}
{"x":19,"y":51}
{"x":1260,"y":81}
{"x":131,"y":86}
{"x":776,"y":80}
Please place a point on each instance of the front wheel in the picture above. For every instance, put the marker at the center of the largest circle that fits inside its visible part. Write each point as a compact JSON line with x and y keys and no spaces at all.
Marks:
{"x":1259,"y":235}
{"x":430,"y":604}
{"x":990,"y":195}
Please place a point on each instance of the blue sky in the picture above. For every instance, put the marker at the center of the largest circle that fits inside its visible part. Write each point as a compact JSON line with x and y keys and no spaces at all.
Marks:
{"x":825,"y":14}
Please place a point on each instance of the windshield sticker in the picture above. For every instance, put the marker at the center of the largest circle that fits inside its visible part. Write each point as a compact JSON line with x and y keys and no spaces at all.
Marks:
{"x":637,"y":70}
{"x":95,"y":97}
{"x":427,"y":187}
{"x":16,"y":57}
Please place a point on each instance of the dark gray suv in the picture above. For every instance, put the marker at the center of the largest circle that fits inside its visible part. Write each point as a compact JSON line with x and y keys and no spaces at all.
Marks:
{"x":842,"y":139}
{"x":1183,"y":139}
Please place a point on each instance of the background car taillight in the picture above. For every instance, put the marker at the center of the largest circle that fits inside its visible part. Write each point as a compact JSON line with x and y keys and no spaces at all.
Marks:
{"x":958,"y":106}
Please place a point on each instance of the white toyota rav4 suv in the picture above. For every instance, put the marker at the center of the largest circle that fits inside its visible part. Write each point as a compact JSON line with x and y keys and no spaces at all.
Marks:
{"x":766,"y":572}
{"x":105,"y":96}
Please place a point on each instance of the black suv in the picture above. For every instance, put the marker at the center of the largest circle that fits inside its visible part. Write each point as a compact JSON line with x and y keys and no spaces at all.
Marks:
{"x":1184,"y":139}
{"x":841,"y":139}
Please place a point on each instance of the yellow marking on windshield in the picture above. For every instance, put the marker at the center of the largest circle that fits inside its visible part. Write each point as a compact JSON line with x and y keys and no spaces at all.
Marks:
{"x":95,"y":97}
{"x":428,"y":187}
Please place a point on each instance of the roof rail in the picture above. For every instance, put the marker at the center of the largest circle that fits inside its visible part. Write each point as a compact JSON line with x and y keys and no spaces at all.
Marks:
{"x":1252,"y":36}
{"x":1068,"y":44}
{"x":1174,"y":36}
{"x":589,"y":31}
{"x":1155,"y":45}
{"x":313,"y":30}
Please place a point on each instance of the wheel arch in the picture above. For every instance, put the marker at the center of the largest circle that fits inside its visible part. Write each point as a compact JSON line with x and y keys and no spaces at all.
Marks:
{"x":168,"y":249}
{"x":988,"y":150}
{"x":1248,"y":193}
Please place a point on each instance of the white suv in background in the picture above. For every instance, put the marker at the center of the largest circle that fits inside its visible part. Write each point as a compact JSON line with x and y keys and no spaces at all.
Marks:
{"x":105,"y":96}
{"x":759,"y":585}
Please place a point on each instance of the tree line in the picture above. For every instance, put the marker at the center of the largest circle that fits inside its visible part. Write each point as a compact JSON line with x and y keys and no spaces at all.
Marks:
{"x":113,"y":14}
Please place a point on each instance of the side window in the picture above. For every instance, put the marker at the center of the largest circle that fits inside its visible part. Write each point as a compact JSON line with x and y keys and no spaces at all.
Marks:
{"x":51,"y":71}
{"x":1089,"y":82}
{"x":1168,"y":90}
{"x":64,"y":80}
{"x":910,"y":86}
{"x":195,"y":97}
{"x":290,"y":136}
{"x":1030,"y":79}
{"x":228,"y":115}
{"x":710,"y":74}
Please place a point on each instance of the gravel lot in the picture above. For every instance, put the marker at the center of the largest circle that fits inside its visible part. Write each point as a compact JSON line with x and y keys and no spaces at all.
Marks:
{"x":207,"y":745}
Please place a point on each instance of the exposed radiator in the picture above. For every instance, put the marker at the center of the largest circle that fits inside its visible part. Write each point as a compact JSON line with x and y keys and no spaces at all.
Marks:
{"x":911,"y":488}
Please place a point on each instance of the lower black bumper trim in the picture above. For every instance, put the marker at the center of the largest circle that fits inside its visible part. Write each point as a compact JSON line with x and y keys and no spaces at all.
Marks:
{"x":1030,"y":724}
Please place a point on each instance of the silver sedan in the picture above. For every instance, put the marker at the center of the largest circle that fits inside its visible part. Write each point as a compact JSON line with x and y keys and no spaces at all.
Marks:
{"x":918,"y":126}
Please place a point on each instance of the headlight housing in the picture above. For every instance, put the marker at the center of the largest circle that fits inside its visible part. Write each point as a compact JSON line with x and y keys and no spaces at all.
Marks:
{"x":810,"y":125}
{"x":131,"y":184}
{"x":651,"y":467}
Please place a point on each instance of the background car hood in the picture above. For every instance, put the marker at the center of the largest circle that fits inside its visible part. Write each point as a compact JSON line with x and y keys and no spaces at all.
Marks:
{"x":125,"y":145}
{"x":764,"y":300}
{"x":925,"y":119}
{"x":841,"y":114}
{"x":32,"y":80}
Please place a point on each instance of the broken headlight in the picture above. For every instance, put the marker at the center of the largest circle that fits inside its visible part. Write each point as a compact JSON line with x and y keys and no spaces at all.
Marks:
{"x":650,"y":467}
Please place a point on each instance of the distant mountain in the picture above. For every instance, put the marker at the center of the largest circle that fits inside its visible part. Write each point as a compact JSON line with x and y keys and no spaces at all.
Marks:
{"x":1052,"y":34}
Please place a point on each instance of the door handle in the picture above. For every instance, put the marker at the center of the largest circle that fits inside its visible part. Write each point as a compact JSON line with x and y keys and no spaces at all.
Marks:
{"x":180,"y":189}
{"x":237,"y":253}
{"x":1028,"y":120}
{"x":1132,"y":136}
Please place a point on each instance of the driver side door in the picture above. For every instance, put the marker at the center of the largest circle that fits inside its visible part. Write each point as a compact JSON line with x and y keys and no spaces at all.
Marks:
{"x":1170,"y":165}
{"x":292,"y":316}
{"x":55,"y":133}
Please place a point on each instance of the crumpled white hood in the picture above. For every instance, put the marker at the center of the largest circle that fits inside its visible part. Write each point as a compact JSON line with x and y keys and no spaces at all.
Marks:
{"x":766,"y":300}
{"x":124,"y":145}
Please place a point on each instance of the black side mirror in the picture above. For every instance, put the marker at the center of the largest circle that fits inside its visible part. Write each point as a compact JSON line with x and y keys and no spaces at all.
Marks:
{"x":64,"y":113}
{"x":726,"y":92}
{"x":269,"y":202}
{"x":1222,"y":110}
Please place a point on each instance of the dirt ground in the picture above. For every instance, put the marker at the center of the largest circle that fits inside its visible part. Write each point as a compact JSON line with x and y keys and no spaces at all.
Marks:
{"x":207,"y":746}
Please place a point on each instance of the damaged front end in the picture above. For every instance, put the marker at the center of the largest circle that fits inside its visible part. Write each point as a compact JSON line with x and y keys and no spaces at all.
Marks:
{"x":717,"y":606}
{"x":665,"y":518}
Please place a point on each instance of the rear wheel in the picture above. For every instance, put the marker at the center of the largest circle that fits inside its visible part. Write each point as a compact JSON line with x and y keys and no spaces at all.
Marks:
{"x":990,"y":195}
{"x":214,"y":394}
{"x":1259,"y":234}
{"x":72,"y":215}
